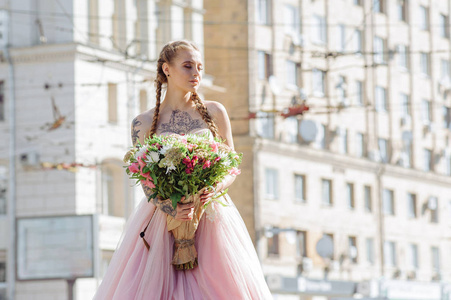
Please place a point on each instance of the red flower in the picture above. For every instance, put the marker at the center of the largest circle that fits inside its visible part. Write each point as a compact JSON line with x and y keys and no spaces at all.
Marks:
{"x":207,"y":164}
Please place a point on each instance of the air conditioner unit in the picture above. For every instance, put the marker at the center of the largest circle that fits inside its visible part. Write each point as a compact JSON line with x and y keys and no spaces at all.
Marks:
{"x":412,"y":275}
{"x":307,"y":264}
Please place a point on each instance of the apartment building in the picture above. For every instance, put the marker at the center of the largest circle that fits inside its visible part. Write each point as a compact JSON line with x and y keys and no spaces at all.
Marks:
{"x":73,"y":74}
{"x":351,"y":197}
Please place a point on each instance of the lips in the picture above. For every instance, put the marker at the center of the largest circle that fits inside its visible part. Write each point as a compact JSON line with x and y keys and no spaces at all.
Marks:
{"x":194,"y":81}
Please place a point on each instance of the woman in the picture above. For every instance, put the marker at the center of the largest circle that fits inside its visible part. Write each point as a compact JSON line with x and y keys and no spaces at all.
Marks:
{"x":228,"y":265}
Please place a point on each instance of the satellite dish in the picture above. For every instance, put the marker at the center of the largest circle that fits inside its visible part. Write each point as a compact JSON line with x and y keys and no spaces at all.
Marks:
{"x":309,"y":130}
{"x":325,"y":247}
{"x":273,"y":84}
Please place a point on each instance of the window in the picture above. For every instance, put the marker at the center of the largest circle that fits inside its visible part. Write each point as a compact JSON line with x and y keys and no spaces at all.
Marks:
{"x":425,"y":64}
{"x":291,"y":19}
{"x":379,"y":50}
{"x":272,"y":183}
{"x":344,"y":141}
{"x":341,"y":88}
{"x":322,"y":134}
{"x":331,"y":236}
{"x":350,"y":198}
{"x":112,"y":103}
{"x":292,"y":72}
{"x":446,"y":117}
{"x":273,"y":243}
{"x":412,"y":257}
{"x":341,"y":38}
{"x":318,"y":77}
{"x":291,"y":129}
{"x":388,"y":202}
{"x":358,"y":41}
{"x":265,"y":125}
{"x":403,"y":11}
{"x":359,"y":92}
{"x":368,"y":198}
{"x":3,"y":190}
{"x":2,"y":101}
{"x":119,"y":25}
{"x":379,"y":6}
{"x":389,"y":254}
{"x":352,"y":249}
{"x":408,"y":155}
{"x":411,"y":205}
{"x":326,"y":192}
{"x":143,"y":100}
{"x":403,"y":56}
{"x":263,"y":16}
{"x":381,"y":99}
{"x":444,"y":27}
{"x":435,"y":253}
{"x":405,"y":105}
{"x":426,"y":112}
{"x":113,"y":189}
{"x":383,"y":150}
{"x":264,"y":65}
{"x":318,"y":29}
{"x":424,"y":18}
{"x":93,"y":21}
{"x":370,"y":250}
{"x":301,"y":243}
{"x":427,"y":160}
{"x":434,"y":211}
{"x":359,"y":145}
{"x":299,"y":188}
{"x":444,"y":69}
{"x":358,"y":2}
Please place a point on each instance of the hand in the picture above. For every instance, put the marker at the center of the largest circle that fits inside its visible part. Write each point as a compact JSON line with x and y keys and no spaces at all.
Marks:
{"x":206,"y":194}
{"x":184,"y":212}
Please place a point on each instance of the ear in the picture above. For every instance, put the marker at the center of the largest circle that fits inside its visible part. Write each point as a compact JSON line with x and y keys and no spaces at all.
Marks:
{"x":165,"y":68}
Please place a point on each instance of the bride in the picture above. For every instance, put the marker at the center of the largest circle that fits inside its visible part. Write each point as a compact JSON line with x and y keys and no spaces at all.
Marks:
{"x":228,"y":267}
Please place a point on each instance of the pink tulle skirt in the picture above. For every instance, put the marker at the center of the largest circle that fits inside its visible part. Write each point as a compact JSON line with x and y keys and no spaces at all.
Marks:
{"x":228,"y":264}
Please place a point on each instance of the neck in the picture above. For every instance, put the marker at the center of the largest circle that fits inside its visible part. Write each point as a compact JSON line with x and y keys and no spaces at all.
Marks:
{"x":177,"y":99}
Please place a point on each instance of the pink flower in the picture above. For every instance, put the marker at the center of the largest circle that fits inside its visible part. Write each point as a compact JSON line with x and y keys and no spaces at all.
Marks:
{"x":186,"y":160}
{"x":234,"y":171}
{"x":217,"y":159}
{"x":141,"y":163}
{"x":134,"y":168}
{"x":188,"y":171}
{"x":191,"y":147}
{"x":184,"y":141}
{"x":236,"y":157}
{"x":148,"y":183}
{"x":207,"y":164}
{"x":147,"y":175}
{"x":214,"y":146}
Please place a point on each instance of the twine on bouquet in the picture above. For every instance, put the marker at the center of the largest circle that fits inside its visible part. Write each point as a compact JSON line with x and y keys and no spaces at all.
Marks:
{"x":143,"y":233}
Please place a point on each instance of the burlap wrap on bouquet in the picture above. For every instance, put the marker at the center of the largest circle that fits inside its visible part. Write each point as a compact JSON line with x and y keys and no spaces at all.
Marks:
{"x":185,"y":254}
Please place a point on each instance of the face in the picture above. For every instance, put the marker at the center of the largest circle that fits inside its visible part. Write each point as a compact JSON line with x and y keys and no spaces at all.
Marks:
{"x":185,"y":70}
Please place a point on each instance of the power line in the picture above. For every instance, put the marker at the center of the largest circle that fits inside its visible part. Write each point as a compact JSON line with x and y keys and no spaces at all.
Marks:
{"x":190,"y":21}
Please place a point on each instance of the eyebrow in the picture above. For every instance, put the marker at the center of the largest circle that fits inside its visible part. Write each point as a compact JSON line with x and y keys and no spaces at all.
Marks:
{"x":191,"y":62}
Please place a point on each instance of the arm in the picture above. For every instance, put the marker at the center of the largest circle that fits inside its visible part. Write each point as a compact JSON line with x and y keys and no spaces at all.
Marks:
{"x":221,"y":118}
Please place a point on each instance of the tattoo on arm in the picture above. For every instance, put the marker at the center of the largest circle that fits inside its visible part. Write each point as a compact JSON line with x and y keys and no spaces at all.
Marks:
{"x":135,"y":136}
{"x":164,"y":205}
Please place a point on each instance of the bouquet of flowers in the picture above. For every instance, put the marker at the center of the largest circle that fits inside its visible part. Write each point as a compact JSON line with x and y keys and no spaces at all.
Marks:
{"x":174,"y":166}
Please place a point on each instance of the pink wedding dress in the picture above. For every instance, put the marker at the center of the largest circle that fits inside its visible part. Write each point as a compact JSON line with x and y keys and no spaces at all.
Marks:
{"x":228,"y":264}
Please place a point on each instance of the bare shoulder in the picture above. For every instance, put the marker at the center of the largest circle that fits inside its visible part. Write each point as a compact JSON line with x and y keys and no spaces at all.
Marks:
{"x":215,"y":108}
{"x":141,"y":124}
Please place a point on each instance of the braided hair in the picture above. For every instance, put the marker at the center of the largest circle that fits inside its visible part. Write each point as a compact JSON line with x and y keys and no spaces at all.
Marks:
{"x":167,"y":54}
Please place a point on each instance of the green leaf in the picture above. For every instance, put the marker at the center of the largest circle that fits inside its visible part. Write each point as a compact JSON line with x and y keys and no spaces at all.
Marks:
{"x":175,"y":198}
{"x":154,"y":178}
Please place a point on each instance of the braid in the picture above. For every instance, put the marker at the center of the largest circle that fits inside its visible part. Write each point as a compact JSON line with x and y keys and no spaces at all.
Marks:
{"x":200,"y":106}
{"x":156,"y":113}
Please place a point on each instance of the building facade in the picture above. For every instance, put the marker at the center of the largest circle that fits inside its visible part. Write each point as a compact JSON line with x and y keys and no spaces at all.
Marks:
{"x":352,"y":197}
{"x":73,"y":75}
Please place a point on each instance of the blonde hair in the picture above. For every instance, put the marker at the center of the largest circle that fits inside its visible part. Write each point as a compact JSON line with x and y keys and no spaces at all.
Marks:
{"x":167,"y":54}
